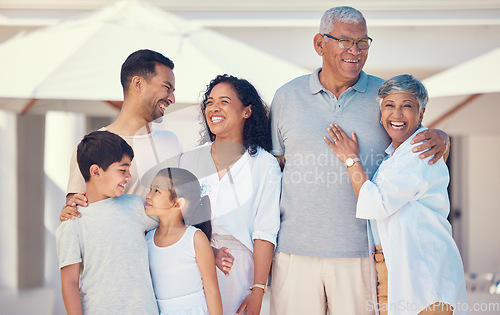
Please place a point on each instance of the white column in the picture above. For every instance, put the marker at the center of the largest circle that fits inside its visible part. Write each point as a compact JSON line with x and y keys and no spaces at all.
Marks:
{"x":8,"y":201}
{"x":63,"y":131}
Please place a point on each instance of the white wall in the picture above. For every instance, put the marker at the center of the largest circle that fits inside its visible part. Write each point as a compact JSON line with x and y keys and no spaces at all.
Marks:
{"x":482,"y":215}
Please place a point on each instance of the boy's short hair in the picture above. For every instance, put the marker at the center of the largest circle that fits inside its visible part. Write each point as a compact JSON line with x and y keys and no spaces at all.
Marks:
{"x":102,"y":148}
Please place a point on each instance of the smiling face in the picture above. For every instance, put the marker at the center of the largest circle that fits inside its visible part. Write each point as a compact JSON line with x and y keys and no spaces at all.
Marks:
{"x":345,"y":64}
{"x":112,"y":181}
{"x":159,"y":198}
{"x":225,"y":113}
{"x":401,"y":116}
{"x":158,"y":93}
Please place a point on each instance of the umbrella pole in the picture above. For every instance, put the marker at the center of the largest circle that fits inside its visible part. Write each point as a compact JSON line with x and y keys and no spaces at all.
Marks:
{"x":455,"y":109}
{"x":28,"y":106}
{"x":114,"y":104}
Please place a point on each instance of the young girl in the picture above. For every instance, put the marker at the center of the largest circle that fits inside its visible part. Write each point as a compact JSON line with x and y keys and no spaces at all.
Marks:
{"x":180,"y":257}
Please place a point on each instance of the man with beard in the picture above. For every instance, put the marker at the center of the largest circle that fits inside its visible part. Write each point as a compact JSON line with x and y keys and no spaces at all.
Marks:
{"x":148,"y":83}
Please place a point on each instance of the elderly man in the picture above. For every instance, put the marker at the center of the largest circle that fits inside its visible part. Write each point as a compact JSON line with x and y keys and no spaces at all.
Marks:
{"x":322,"y":262}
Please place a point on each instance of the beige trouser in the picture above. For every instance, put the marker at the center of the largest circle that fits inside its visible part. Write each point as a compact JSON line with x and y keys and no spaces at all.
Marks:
{"x":434,"y":309}
{"x":313,"y":285}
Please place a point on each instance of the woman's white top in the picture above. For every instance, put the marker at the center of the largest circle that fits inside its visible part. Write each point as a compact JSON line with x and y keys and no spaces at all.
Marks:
{"x":245,"y":202}
{"x":409,"y":200}
{"x":174,"y":270}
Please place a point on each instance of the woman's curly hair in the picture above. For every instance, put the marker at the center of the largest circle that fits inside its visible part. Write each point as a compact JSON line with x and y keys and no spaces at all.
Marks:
{"x":257,"y":129}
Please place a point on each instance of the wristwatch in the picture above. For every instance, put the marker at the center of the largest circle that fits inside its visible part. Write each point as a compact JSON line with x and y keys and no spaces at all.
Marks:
{"x":350,"y":161}
{"x":262,"y":286}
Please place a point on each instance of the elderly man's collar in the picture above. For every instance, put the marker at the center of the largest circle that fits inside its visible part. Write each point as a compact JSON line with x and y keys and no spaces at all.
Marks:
{"x":315,"y":85}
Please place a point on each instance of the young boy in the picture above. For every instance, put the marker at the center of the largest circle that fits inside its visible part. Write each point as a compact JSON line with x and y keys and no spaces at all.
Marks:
{"x":104,"y":256}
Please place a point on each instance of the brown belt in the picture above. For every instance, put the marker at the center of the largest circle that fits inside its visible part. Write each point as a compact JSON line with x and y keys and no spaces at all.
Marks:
{"x":378,"y":255}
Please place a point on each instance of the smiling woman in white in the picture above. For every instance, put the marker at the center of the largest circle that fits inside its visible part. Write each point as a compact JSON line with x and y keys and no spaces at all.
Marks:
{"x":243,"y":182}
{"x":243,"y":199}
{"x":418,"y":264}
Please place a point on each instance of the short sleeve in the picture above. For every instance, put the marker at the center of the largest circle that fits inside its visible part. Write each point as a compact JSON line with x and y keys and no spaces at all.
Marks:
{"x":147,"y":221}
{"x":68,"y":243}
{"x":278,"y":145}
{"x":76,"y":183}
{"x":267,"y":219}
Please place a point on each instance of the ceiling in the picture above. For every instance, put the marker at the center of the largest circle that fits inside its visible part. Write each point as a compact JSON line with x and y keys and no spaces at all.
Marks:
{"x":410,"y":36}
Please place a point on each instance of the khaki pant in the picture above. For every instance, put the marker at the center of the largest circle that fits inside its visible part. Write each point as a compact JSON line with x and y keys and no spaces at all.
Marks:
{"x":313,"y":285}
{"x":434,"y":309}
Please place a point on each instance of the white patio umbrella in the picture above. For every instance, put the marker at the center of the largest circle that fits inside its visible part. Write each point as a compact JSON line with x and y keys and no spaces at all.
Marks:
{"x":75,"y":65}
{"x":466,"y":98}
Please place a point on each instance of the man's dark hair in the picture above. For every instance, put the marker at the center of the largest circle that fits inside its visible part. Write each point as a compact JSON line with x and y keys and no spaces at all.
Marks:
{"x":142,"y":63}
{"x":102,"y":148}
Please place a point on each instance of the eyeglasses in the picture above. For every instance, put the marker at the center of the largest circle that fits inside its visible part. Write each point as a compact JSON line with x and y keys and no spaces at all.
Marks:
{"x":347,"y":43}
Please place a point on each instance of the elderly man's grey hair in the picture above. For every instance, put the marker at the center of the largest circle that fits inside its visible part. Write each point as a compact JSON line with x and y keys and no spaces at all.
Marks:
{"x":404,"y":83}
{"x":346,"y":15}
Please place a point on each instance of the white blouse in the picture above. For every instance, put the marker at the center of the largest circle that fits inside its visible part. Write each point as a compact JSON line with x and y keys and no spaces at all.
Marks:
{"x":409,"y":200}
{"x":245,"y":202}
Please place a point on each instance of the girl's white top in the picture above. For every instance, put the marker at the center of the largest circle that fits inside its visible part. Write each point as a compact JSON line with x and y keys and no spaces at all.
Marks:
{"x":174,"y":270}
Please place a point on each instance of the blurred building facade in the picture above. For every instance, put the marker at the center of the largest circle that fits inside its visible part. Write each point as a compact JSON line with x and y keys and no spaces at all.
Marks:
{"x":417,"y":37}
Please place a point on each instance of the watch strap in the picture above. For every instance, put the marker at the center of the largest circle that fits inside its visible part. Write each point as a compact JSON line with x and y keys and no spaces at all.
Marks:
{"x":261,"y":286}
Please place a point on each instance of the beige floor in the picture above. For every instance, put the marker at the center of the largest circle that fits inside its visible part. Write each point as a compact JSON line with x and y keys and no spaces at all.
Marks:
{"x":41,"y":302}
{"x":36,"y":301}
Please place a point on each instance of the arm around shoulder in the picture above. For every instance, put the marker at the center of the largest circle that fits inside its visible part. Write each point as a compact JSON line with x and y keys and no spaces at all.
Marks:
{"x":76,"y":183}
{"x":436,"y":143}
{"x":206,"y":264}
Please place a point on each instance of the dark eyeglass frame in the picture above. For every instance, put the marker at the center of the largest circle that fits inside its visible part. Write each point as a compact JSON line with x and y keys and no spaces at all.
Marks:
{"x":341,"y":41}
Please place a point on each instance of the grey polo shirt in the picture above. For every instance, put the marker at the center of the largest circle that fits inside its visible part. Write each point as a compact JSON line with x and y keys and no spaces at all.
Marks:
{"x":318,"y":204}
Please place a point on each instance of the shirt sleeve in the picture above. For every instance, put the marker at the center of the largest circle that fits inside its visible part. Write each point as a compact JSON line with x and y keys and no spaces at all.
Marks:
{"x":393,"y":188}
{"x":68,"y":244}
{"x":76,"y":183}
{"x":147,"y":221}
{"x":267,"y":219}
{"x":278,"y":145}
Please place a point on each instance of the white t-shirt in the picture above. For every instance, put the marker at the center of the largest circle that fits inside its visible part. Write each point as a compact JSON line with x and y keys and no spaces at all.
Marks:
{"x":159,"y":146}
{"x":109,"y":242}
{"x":245,"y":202}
